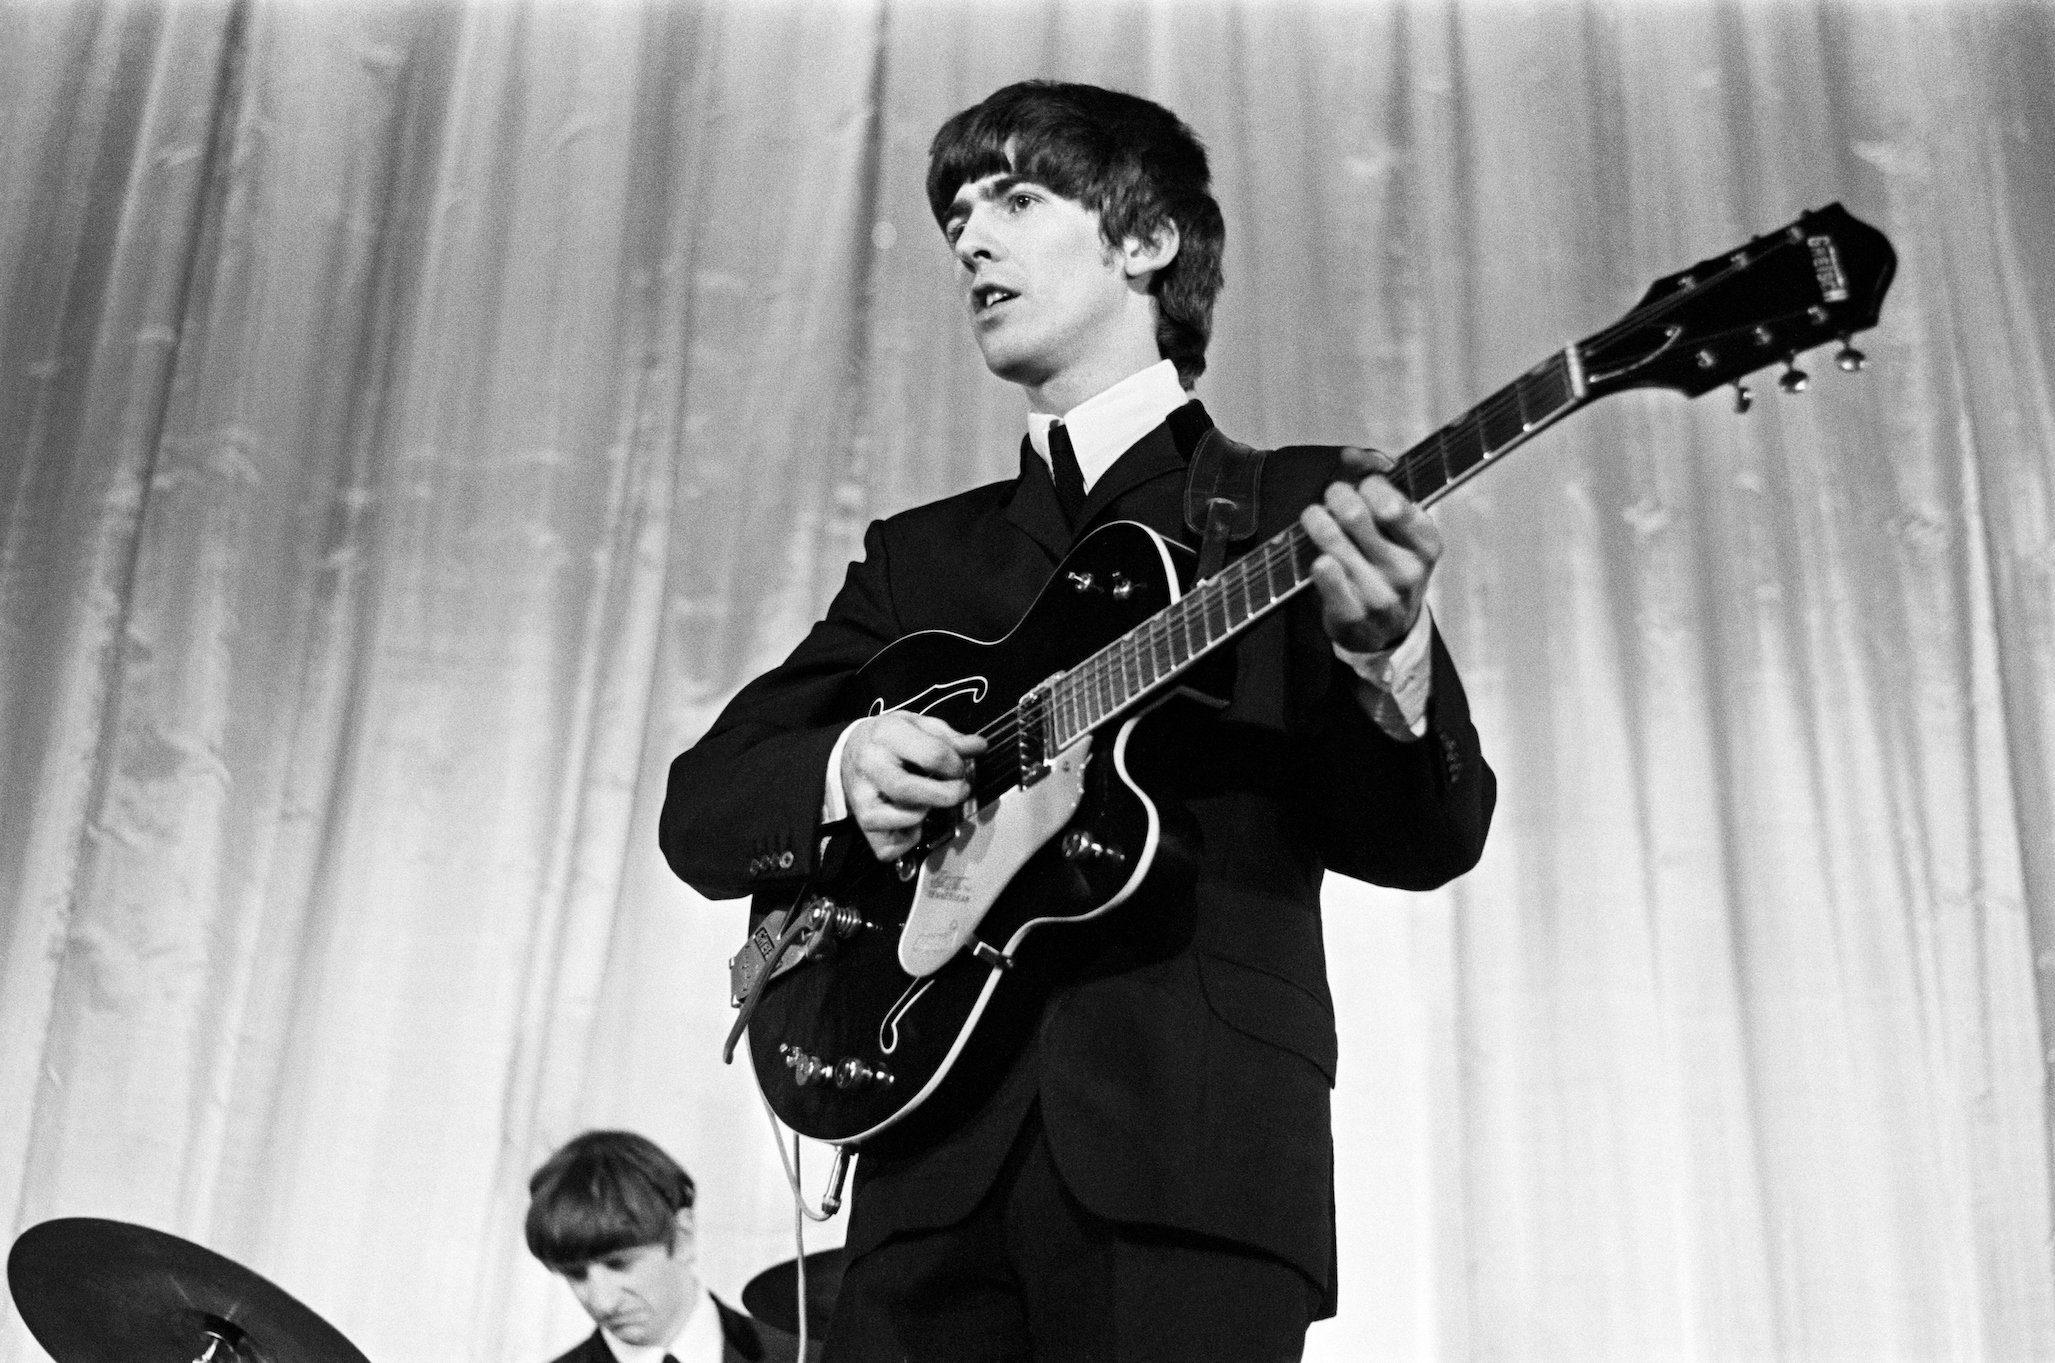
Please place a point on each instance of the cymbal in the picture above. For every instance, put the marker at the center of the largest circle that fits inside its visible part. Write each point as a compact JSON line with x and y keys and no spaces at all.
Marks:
{"x":773,"y":1295}
{"x":94,"y":1291}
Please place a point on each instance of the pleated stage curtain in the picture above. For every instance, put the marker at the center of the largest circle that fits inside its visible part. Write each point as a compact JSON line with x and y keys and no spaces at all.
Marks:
{"x":417,"y":418}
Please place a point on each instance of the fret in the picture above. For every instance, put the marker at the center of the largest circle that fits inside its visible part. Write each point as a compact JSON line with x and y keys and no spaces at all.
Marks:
{"x":1501,"y":425}
{"x":1463,"y":445}
{"x":1434,"y":449}
{"x":1402,"y":478}
{"x":1420,"y":478}
{"x":1216,"y":618}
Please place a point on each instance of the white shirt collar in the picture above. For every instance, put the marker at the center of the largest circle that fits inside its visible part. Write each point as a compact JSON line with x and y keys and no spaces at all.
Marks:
{"x":698,"y":1340}
{"x":1104,"y":426}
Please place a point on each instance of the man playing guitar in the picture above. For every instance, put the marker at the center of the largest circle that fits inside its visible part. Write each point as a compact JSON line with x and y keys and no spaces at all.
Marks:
{"x":1133,"y":1158}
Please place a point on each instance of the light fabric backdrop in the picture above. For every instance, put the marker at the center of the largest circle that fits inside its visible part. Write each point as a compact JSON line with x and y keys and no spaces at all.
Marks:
{"x":416,"y":419}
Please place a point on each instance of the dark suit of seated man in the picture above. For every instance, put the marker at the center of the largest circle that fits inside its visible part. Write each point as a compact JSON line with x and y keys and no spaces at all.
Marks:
{"x":611,"y":1214}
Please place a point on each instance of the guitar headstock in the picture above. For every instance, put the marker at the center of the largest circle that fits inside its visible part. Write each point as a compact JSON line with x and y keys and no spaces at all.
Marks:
{"x":1821,"y":278}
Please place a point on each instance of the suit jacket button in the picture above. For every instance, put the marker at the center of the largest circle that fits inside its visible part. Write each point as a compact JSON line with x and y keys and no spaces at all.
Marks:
{"x":784,"y":861}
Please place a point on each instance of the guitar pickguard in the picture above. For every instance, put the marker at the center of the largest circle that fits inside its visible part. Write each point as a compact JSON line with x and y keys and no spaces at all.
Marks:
{"x":963,"y":878}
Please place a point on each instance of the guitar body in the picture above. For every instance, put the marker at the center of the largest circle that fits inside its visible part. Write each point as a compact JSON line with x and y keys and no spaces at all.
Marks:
{"x":901,"y":993}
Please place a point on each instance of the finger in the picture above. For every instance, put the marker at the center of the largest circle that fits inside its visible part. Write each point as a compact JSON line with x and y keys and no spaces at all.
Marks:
{"x":1392,"y":544}
{"x":1357,"y":461}
{"x":907,"y":743}
{"x":874,"y":815}
{"x":889,"y":845}
{"x":911,"y":790}
{"x":1364,"y":604}
{"x":1400,"y":519}
{"x":967,"y":744}
{"x":1351,"y":600}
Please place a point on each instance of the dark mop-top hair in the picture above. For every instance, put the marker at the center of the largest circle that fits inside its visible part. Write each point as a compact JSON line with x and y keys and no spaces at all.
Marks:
{"x":1132,"y":162}
{"x":605,"y":1191}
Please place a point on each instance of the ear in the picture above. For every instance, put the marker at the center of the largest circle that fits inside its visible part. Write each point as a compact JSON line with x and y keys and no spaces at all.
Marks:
{"x":1141,"y":256}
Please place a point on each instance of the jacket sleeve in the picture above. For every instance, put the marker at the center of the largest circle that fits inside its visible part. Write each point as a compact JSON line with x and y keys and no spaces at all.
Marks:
{"x":1411,"y":815}
{"x":743,"y":805}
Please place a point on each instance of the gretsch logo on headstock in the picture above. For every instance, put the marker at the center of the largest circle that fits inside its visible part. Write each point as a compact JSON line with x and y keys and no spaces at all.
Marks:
{"x":1826,"y":267}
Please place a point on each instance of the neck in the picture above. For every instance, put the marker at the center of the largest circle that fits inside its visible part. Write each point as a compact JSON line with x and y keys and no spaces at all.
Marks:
{"x":1059,"y":392}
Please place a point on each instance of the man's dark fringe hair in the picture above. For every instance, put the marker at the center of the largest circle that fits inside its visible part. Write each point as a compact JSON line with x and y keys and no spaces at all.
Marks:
{"x":1132,"y":162}
{"x":604,"y":1192}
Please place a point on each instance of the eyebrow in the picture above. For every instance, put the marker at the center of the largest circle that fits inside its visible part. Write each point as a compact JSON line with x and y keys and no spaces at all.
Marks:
{"x":986,"y":188}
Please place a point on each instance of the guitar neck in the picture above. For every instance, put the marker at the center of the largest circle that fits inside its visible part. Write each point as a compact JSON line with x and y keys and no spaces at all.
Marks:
{"x":1225,"y":605}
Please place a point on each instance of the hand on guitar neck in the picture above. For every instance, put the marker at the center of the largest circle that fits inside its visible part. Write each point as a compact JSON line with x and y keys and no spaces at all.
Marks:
{"x":896,"y":767}
{"x":1377,"y":553}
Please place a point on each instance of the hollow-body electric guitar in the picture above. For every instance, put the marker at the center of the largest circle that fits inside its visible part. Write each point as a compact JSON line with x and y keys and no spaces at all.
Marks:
{"x":860,"y":998}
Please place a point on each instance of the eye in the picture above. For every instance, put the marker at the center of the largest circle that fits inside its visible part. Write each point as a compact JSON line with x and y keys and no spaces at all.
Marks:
{"x":1019,"y":199}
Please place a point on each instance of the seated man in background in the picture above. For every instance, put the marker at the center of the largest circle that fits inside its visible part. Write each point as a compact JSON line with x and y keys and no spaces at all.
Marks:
{"x":612,"y":1214}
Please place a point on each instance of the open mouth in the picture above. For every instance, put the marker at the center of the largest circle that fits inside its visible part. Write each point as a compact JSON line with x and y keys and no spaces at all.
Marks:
{"x":985,"y":297}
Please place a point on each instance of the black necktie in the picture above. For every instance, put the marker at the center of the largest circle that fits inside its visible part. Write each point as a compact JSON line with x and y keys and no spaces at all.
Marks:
{"x":1070,"y":479}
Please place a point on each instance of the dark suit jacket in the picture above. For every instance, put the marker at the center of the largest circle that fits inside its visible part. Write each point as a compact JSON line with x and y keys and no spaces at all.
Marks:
{"x":745,"y":1340}
{"x":1185,"y":1054}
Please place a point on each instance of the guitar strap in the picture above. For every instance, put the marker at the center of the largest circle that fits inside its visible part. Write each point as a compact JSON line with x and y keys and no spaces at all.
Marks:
{"x":1220,"y":496}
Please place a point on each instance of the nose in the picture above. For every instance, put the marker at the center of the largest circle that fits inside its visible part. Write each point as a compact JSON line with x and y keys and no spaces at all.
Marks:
{"x":600,"y":1290}
{"x":976,"y":241}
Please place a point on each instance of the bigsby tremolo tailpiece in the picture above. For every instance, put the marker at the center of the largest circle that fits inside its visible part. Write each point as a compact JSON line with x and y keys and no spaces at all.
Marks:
{"x":825,"y":924}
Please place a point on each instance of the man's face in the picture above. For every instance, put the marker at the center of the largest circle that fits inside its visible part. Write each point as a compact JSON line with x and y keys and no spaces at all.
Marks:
{"x":639,"y":1295}
{"x":1046,"y":293}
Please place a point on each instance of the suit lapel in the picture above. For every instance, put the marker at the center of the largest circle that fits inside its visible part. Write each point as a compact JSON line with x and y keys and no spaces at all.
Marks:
{"x":1034,"y":508}
{"x":1153,"y":456}
{"x":1163,"y":451}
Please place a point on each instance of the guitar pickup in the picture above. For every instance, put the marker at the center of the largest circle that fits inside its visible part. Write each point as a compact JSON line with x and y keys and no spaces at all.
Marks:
{"x":1031,"y":725}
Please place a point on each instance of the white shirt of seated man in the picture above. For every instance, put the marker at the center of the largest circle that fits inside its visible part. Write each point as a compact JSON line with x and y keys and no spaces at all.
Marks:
{"x":648,"y":1302}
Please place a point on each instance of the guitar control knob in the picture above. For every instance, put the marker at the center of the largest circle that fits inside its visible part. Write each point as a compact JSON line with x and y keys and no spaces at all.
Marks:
{"x":1084,"y":582}
{"x":852,"y":1073}
{"x":1793,"y":379}
{"x":1080,"y":847}
{"x":805,"y":1068}
{"x":1743,"y":398}
{"x":1848,"y":357}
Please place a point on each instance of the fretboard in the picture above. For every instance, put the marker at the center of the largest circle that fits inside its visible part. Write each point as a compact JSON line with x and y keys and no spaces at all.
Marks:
{"x":1217,"y":610}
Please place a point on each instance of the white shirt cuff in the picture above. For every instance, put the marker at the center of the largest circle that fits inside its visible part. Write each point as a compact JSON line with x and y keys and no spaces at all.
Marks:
{"x":834,"y":800}
{"x":1401,"y":680}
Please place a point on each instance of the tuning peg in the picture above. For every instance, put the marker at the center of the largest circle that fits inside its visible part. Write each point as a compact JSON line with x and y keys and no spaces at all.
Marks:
{"x":1848,"y":357}
{"x":1743,"y":399}
{"x":1793,"y":379}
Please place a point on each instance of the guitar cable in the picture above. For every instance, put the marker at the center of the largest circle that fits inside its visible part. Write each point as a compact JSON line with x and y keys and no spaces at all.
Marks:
{"x":831,"y":1199}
